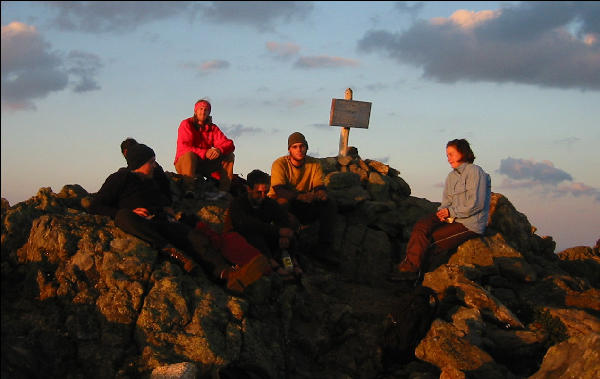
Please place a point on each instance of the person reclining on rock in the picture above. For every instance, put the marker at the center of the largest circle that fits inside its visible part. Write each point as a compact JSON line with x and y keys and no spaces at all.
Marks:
{"x":139,"y":206}
{"x":262,"y":221}
{"x":462,"y":215}
{"x":158,"y":175}
{"x":203,"y":149}
{"x":297,"y":184}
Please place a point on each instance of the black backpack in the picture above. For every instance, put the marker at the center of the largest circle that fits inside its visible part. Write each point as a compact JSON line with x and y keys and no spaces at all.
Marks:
{"x":404,"y":328}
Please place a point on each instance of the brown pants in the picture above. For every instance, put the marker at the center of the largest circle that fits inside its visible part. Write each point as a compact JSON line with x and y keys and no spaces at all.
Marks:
{"x":434,"y":236}
{"x":190,"y":164}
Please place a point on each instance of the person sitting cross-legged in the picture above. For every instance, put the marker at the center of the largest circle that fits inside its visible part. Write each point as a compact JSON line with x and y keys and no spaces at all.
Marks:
{"x":297,"y":183}
{"x":263,"y":222}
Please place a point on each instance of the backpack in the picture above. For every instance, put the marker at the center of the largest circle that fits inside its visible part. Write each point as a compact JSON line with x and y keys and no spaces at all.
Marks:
{"x":404,"y":328}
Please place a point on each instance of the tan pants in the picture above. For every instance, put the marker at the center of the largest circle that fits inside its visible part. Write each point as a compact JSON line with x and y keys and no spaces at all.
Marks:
{"x":190,"y":164}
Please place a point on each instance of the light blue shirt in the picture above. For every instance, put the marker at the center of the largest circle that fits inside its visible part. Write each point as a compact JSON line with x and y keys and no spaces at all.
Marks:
{"x":467,"y":195}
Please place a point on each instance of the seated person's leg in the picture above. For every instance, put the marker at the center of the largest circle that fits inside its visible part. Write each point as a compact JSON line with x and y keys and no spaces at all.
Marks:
{"x":152,"y":232}
{"x":449,"y":236}
{"x":195,"y":242}
{"x":420,"y":239}
{"x":187,"y":164}
{"x":327,"y":213}
{"x":226,"y":172}
{"x":138,"y":226}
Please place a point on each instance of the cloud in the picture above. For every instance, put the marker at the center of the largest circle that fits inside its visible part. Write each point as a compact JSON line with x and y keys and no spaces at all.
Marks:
{"x":295,"y":103}
{"x":30,"y":70}
{"x":214,"y":65}
{"x":262,"y":15}
{"x":207,"y":66}
{"x":576,"y":189}
{"x":113,"y":16}
{"x":412,"y":10}
{"x":237,"y":130}
{"x":568,"y":141}
{"x":283,"y":50}
{"x":542,"y":177}
{"x":539,"y":172}
{"x":85,"y":66}
{"x":529,"y":43}
{"x":324,"y":62}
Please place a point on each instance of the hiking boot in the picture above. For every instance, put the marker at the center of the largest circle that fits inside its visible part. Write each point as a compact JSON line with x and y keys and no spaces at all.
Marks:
{"x":177,"y":255}
{"x":239,"y":277}
{"x":405,"y":271}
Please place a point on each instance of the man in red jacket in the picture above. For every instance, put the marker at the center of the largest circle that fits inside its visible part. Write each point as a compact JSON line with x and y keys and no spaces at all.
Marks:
{"x":203,"y":149}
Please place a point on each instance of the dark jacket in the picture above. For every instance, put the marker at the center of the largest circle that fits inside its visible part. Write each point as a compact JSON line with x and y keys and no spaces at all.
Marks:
{"x":126,"y":189}
{"x":266,"y":219}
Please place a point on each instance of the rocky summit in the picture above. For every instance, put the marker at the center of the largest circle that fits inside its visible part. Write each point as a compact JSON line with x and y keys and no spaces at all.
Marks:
{"x":83,"y":299}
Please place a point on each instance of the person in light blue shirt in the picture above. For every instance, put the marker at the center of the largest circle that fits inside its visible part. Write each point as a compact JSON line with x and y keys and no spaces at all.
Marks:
{"x":462,"y":215}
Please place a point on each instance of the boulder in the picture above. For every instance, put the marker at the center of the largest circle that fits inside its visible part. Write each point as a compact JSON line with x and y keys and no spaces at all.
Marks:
{"x":578,"y":357}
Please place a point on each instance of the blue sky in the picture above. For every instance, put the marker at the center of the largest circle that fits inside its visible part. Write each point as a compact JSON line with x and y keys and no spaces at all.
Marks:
{"x":520,"y":81}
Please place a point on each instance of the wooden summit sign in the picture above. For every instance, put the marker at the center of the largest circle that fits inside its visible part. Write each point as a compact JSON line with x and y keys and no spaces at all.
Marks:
{"x":348,"y":114}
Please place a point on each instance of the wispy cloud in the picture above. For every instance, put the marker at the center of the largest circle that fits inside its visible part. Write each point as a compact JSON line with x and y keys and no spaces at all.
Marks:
{"x":568,"y":142}
{"x":283,"y":50}
{"x":31,"y":70}
{"x":127,"y":16}
{"x":412,"y":10}
{"x":113,"y":16}
{"x":236,"y":130}
{"x":85,"y":67}
{"x":207,"y":66}
{"x":543,"y":178}
{"x":530,"y":43}
{"x":324,"y":61}
{"x":262,"y":15}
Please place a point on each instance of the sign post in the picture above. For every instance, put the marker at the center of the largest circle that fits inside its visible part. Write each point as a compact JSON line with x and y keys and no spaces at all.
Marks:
{"x":348,"y":114}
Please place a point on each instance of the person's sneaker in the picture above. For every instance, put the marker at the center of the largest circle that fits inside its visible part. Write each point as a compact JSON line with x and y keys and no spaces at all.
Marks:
{"x":239,"y":277}
{"x":405,"y":271}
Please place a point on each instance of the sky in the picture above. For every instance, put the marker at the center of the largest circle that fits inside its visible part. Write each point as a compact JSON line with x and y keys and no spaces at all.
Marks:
{"x":520,"y":81}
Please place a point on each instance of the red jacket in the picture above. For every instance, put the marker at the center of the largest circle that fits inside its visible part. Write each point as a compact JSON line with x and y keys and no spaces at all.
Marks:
{"x":200,"y":140}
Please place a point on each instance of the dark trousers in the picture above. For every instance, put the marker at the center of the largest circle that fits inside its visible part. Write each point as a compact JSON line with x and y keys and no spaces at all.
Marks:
{"x":324,"y":211}
{"x":430,"y":235}
{"x":159,"y":232}
{"x":268,"y":244}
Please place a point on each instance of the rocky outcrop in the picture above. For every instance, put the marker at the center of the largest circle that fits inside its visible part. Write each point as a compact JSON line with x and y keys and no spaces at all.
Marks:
{"x":81,"y":298}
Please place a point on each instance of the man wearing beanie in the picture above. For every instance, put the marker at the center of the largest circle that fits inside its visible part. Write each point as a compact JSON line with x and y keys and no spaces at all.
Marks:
{"x":203,"y":149}
{"x":140,"y":206}
{"x":297,"y":184}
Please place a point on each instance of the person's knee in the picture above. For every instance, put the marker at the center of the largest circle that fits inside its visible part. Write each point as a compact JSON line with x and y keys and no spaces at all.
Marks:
{"x":187,"y":164}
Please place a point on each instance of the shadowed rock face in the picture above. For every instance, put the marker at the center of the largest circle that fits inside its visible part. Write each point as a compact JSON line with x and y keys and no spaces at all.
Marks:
{"x":81,"y":298}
